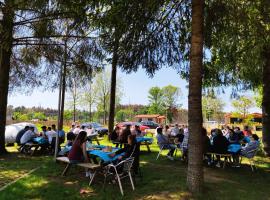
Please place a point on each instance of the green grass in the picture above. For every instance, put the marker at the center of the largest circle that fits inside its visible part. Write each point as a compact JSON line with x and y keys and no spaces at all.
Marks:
{"x":162,"y":179}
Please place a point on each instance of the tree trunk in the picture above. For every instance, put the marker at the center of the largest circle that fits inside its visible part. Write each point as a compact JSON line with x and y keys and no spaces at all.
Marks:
{"x":266,"y":102}
{"x":63,"y":92}
{"x":113,"y":89}
{"x":195,"y":167}
{"x":104,"y":110}
{"x":6,"y":40}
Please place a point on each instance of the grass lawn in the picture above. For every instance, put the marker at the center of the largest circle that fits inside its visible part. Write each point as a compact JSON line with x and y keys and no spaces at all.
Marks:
{"x":162,"y":179}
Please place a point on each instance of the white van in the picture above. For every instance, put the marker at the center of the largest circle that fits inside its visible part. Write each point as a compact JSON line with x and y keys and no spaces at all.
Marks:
{"x":13,"y":129}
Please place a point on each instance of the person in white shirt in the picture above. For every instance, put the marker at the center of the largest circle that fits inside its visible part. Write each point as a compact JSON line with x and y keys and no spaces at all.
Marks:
{"x":77,"y":130}
{"x":175,"y":130}
{"x":50,"y":134}
{"x":28,"y":136}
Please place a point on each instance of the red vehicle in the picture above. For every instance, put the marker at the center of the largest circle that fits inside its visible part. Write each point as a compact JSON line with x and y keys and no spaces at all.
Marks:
{"x":132,"y":124}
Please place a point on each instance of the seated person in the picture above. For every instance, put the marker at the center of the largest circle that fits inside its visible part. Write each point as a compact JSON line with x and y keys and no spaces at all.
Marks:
{"x":114,"y":136}
{"x":252,"y":145}
{"x":123,"y":137}
{"x":247,"y":132}
{"x":206,"y":145}
{"x":220,"y":145}
{"x":137,"y":132}
{"x":70,"y":138}
{"x":28,"y":136}
{"x":175,"y":131}
{"x":78,"y":151}
{"x":130,"y":150}
{"x":43,"y":132}
{"x":184,"y":145}
{"x":163,"y":141}
{"x":20,"y":134}
{"x":234,"y":137}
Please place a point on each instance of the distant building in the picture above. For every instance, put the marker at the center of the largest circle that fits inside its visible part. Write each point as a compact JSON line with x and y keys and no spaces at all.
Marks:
{"x":160,"y":119}
{"x":231,"y":119}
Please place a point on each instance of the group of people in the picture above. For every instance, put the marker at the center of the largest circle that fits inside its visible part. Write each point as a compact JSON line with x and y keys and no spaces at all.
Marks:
{"x":170,"y":138}
{"x":47,"y":136}
{"x":120,"y":135}
{"x":230,"y":141}
{"x":220,"y":141}
{"x":78,"y":152}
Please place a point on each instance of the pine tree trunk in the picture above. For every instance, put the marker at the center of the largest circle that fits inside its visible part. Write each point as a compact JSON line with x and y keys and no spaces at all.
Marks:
{"x":195,"y":167}
{"x":63,"y":93}
{"x":266,"y":102}
{"x":6,"y":40}
{"x":113,"y":90}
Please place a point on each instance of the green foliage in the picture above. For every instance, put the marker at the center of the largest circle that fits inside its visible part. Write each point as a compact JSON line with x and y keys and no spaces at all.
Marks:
{"x":68,"y":114}
{"x":258,"y":96}
{"x":242,"y":105}
{"x":124,"y":115}
{"x":237,"y":33}
{"x":39,"y":115}
{"x":211,"y":107}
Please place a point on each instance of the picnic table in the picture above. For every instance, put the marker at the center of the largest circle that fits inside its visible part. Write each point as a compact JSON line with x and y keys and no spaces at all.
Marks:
{"x":99,"y":151}
{"x":145,"y":141}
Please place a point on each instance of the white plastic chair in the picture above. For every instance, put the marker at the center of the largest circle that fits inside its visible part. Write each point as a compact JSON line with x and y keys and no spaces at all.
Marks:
{"x":120,"y":171}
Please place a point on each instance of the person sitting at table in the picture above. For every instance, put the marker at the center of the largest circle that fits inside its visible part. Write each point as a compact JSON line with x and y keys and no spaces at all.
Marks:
{"x":163,"y":141}
{"x":220,"y":145}
{"x":130,"y":150}
{"x":167,"y":131}
{"x":20,"y":134}
{"x":43,"y":132}
{"x":206,"y":145}
{"x":137,"y":132}
{"x":115,"y":134}
{"x":124,"y":135}
{"x":175,"y":130}
{"x":78,"y":151}
{"x":254,"y":144}
{"x":233,"y":137}
{"x":247,"y":132}
{"x":27,"y":137}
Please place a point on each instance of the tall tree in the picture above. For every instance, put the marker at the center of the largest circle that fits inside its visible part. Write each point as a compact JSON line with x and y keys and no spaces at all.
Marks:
{"x":156,"y":104}
{"x":239,"y":36}
{"x":212,"y":106}
{"x":195,"y":169}
{"x":242,"y":105}
{"x":171,"y":96}
{"x":6,"y":41}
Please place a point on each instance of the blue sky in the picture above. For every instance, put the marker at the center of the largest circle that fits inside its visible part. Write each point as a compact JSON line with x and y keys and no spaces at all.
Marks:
{"x":135,"y":88}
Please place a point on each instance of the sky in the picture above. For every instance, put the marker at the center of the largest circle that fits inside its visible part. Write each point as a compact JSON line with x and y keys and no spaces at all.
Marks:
{"x":135,"y":89}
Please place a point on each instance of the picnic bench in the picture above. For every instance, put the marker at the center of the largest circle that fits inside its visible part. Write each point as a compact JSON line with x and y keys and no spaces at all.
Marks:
{"x":90,"y":166}
{"x":226,"y":157}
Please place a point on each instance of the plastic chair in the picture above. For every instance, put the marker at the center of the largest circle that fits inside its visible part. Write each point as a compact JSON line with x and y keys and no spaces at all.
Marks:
{"x":120,"y":171}
{"x":250,"y":158}
{"x":162,"y":146}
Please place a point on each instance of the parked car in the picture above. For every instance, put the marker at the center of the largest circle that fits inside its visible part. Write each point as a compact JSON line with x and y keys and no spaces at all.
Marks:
{"x":150,"y":124}
{"x":13,"y":129}
{"x":132,"y":124}
{"x":97,"y":128}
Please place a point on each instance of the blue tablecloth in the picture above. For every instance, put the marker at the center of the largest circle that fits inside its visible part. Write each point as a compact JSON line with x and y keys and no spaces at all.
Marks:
{"x":234,"y":148}
{"x":144,"y":139}
{"x":105,"y":156}
{"x":40,"y":140}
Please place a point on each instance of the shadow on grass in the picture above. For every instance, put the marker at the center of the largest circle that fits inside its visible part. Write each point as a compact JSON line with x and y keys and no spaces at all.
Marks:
{"x":162,"y":179}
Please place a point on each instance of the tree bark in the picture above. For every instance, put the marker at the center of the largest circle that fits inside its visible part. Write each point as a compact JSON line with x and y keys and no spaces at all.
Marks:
{"x":195,"y":168}
{"x":266,"y":102}
{"x":113,"y":88}
{"x":6,"y":39}
{"x":63,"y":92}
